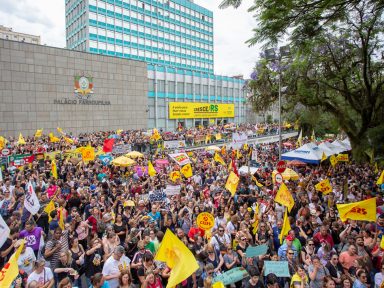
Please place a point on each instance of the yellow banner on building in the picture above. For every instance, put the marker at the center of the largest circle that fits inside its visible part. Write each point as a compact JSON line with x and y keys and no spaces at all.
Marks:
{"x":191,"y":110}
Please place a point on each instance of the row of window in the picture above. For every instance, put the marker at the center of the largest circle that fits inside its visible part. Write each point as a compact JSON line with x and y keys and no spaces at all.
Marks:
{"x":151,"y":8}
{"x":81,"y":21}
{"x":188,"y":87}
{"x":148,"y":54}
{"x":151,"y":21}
{"x":149,"y":43}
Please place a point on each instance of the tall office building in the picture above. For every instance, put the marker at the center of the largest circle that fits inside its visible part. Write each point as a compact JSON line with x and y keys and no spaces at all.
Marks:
{"x":175,"y":38}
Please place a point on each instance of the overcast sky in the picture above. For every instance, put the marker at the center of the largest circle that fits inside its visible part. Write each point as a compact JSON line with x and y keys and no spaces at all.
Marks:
{"x":231,"y":29}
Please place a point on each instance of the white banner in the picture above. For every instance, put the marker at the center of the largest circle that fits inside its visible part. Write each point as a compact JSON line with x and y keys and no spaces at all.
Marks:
{"x":4,"y":231}
{"x":180,"y":158}
{"x":171,"y":190}
{"x":254,"y":154}
{"x":31,"y":203}
{"x":174,"y":144}
{"x":238,"y":140}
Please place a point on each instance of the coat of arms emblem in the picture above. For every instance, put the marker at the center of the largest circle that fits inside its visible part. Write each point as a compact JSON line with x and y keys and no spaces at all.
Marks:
{"x":83,"y":86}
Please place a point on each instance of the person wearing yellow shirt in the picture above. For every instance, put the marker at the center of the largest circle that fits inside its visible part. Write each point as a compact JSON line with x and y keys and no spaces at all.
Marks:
{"x":299,"y":279}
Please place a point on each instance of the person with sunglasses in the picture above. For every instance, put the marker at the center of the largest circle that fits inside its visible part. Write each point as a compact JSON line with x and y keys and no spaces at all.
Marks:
{"x":361,"y":279}
{"x":307,"y":252}
{"x":335,"y":268}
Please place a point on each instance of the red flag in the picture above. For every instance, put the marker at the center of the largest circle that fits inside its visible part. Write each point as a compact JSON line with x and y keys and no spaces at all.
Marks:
{"x":108,"y":145}
{"x":234,"y":168}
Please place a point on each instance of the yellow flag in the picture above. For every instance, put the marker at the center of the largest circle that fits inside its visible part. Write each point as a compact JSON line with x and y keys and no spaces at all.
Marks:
{"x":323,"y":157}
{"x":286,"y":227}
{"x":49,"y":208}
{"x":238,"y":154}
{"x":342,"y":158}
{"x":255,"y":224}
{"x":207,"y":138}
{"x":11,"y":269}
{"x":38,"y":133}
{"x":296,"y":126}
{"x":300,"y":139}
{"x":186,"y":170}
{"x":218,"y":136}
{"x":156,"y":135}
{"x":53,"y":138}
{"x":284,"y":197}
{"x":217,"y":158}
{"x":313,"y":138}
{"x":118,"y":131}
{"x":382,"y":242}
{"x":362,"y":210}
{"x":60,"y":131}
{"x":174,"y":175}
{"x":224,"y":150}
{"x":21,"y":140}
{"x":151,"y":169}
{"x":324,"y":187}
{"x":381,"y":179}
{"x":232,"y":182}
{"x":54,"y":169}
{"x":333,"y":160}
{"x":61,"y":219}
{"x":178,"y":257}
{"x":3,"y":141}
{"x":218,"y":285}
{"x":68,"y":140}
{"x":88,"y":154}
{"x":258,"y":184}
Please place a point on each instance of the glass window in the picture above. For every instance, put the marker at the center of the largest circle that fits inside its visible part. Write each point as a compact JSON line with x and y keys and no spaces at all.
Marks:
{"x":171,"y":87}
{"x":205,"y":89}
{"x":110,"y":7}
{"x":126,"y":50}
{"x":151,"y":85}
{"x":161,"y":86}
{"x":118,"y":48}
{"x":101,"y":18}
{"x":111,"y":34}
{"x":134,"y":51}
{"x":92,"y":44}
{"x":92,"y":16}
{"x":189,"y":88}
{"x":118,"y":9}
{"x":197,"y":88}
{"x":102,"y":32}
{"x":92,"y":2}
{"x":212,"y":90}
{"x":180,"y":87}
{"x":92,"y":30}
{"x":118,"y":22}
{"x":111,"y":47}
{"x":102,"y":46}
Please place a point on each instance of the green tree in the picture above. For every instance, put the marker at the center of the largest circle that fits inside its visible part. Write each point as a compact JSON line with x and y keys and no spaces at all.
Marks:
{"x":336,"y":66}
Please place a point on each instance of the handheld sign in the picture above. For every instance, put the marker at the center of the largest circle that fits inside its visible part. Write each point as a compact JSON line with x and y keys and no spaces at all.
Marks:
{"x":279,"y":268}
{"x":278,"y":178}
{"x":281,"y":166}
{"x":205,"y":221}
{"x":231,"y":276}
{"x":253,"y":251}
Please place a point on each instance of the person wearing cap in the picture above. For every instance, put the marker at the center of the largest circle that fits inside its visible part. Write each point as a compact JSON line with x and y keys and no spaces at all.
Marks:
{"x":295,"y":242}
{"x":42,"y":275}
{"x":114,"y":264}
{"x":283,"y":249}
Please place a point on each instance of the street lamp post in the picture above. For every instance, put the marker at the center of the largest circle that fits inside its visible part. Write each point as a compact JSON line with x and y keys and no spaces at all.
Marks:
{"x":270,"y":54}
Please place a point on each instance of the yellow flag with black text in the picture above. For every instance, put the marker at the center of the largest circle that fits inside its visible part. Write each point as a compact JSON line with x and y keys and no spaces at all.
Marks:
{"x":174,"y":175}
{"x":177,"y":257}
{"x":286,"y":227}
{"x":362,"y":210}
{"x":333,"y":160}
{"x":324,"y":187}
{"x":186,"y":170}
{"x":232,"y":182}
{"x":284,"y":197}
{"x":11,"y":269}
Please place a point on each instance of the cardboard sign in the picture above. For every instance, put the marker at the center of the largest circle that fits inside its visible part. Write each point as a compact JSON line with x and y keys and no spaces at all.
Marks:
{"x":253,"y":251}
{"x":279,"y":268}
{"x":205,"y":221}
{"x":174,"y":144}
{"x":171,"y":190}
{"x":231,"y":276}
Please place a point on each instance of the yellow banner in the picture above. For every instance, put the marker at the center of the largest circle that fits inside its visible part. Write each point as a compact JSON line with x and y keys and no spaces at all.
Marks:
{"x":191,"y":110}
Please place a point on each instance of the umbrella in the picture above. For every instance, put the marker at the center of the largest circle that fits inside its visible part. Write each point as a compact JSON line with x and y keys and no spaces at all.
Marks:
{"x":134,"y":154}
{"x":288,"y":174}
{"x":123,"y":161}
{"x":213,"y":148}
{"x":296,"y":163}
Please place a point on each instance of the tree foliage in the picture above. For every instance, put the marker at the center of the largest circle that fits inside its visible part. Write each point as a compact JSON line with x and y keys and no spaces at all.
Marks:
{"x":336,"y":65}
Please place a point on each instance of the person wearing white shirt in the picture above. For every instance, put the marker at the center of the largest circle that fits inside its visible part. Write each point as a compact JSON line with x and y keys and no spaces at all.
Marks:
{"x":42,"y":275}
{"x":113,"y":266}
{"x":221,"y":240}
{"x":379,"y":277}
{"x":26,"y":259}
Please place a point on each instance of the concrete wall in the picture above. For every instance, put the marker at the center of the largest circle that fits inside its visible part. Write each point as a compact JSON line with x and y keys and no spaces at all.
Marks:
{"x":32,"y":77}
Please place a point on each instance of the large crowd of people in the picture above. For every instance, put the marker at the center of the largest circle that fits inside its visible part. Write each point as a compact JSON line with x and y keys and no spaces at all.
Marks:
{"x":105,"y":228}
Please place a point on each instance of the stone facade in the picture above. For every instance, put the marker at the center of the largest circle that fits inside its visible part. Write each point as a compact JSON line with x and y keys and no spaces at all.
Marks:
{"x":35,"y":78}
